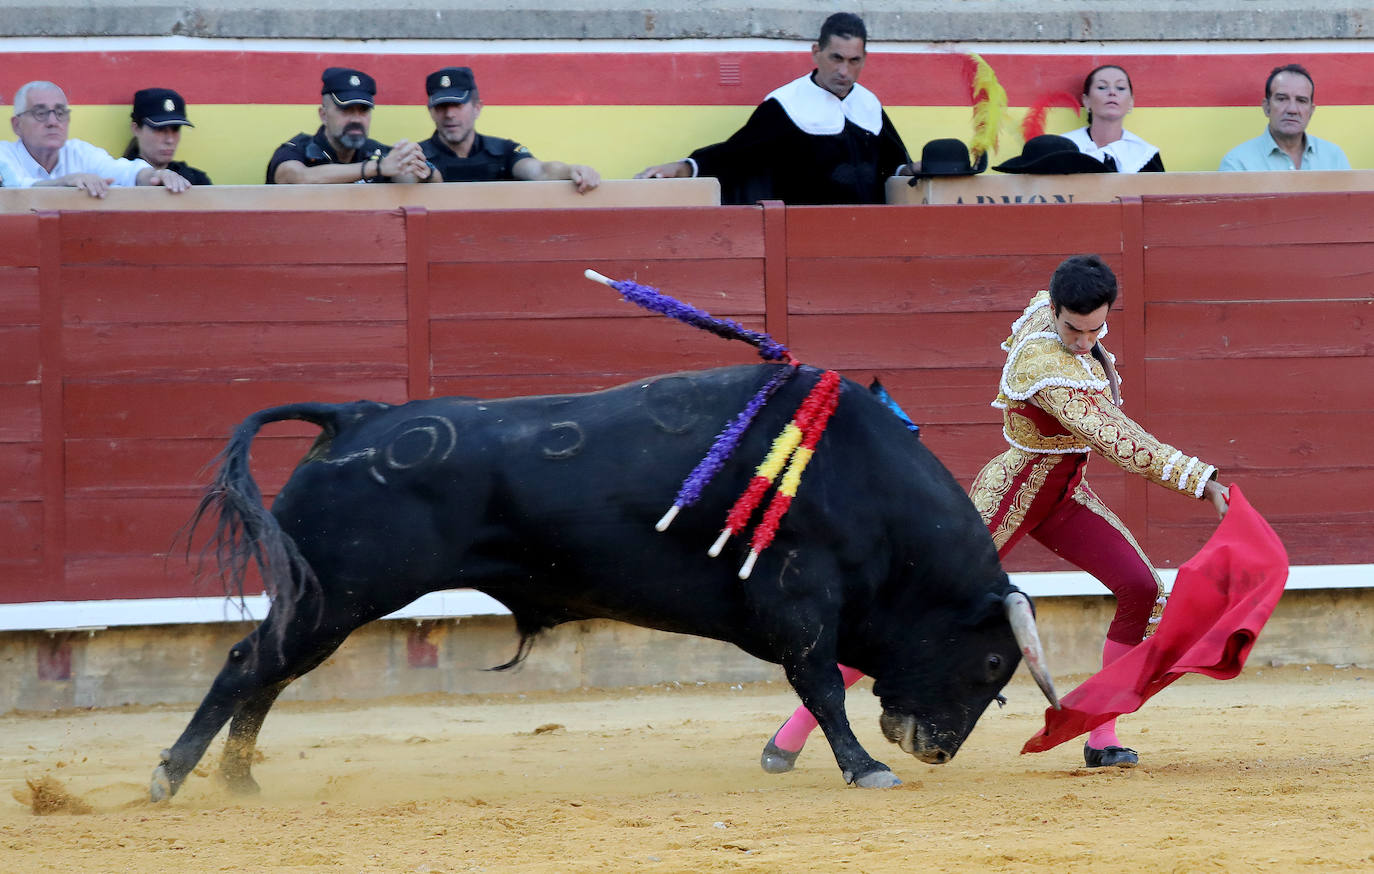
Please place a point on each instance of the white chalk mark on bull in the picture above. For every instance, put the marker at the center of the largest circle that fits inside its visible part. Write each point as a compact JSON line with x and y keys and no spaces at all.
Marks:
{"x":567,"y":439}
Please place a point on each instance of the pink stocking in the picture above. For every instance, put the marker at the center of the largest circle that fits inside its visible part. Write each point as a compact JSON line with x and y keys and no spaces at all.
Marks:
{"x":1105,"y":734}
{"x":794,"y":732}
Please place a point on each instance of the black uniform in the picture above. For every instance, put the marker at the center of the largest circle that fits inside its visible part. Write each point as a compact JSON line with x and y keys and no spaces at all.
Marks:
{"x":772,"y":158}
{"x":191,"y":174}
{"x":316,"y":150}
{"x":492,"y":159}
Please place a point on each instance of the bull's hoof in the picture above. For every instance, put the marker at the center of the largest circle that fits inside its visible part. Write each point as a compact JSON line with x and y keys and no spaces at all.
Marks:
{"x":240,"y":783}
{"x":1109,"y":757}
{"x":883,"y":779}
{"x":775,"y":759}
{"x":161,"y":787}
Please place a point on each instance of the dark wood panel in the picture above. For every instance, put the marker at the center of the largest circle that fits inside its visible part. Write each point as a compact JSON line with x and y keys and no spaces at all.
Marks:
{"x":125,"y":525}
{"x":21,"y":418}
{"x":589,"y":236}
{"x":1023,"y":229}
{"x":202,"y":409}
{"x":1225,"y":386}
{"x":237,"y":351}
{"x":20,"y":471}
{"x":19,"y":296}
{"x":1261,"y":440}
{"x":919,"y":283}
{"x":544,"y":346}
{"x":175,"y":467}
{"x":1312,"y":271}
{"x":25,"y":581}
{"x":18,"y":242}
{"x":215,"y":238}
{"x":92,"y":577}
{"x":900,"y":340}
{"x":519,"y":385}
{"x":1332,"y":541}
{"x":236,"y":293}
{"x":1308,"y":492}
{"x":21,"y":534}
{"x":1258,"y":220}
{"x":19,"y":364}
{"x":1268,"y":329}
{"x":940,"y":395}
{"x":557,"y":289}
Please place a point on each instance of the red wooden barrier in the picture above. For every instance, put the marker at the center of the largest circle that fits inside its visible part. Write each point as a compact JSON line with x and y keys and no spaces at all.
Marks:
{"x":134,"y":342}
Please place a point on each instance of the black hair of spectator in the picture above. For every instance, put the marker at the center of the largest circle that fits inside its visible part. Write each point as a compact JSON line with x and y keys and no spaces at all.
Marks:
{"x":1289,"y":68}
{"x":1088,"y":81}
{"x":131,"y":151}
{"x":843,"y":25}
{"x":1081,"y":284}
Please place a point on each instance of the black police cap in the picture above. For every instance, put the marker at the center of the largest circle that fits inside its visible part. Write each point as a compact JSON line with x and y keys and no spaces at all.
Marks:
{"x":451,"y":85}
{"x":159,"y":107}
{"x":349,"y":87}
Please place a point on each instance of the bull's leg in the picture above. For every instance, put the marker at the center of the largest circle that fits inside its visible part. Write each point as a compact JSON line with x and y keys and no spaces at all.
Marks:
{"x":821,"y":688}
{"x":236,"y":765}
{"x":252,"y":677}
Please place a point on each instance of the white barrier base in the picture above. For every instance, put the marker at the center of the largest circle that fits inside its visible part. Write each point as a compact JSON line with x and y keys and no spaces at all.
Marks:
{"x":453,"y":603}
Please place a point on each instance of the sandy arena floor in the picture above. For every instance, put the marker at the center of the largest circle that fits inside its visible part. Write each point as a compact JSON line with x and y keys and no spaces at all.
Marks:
{"x":1273,"y":771}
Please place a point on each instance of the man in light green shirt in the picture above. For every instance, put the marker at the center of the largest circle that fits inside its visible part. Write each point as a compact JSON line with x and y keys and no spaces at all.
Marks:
{"x":1285,"y":144}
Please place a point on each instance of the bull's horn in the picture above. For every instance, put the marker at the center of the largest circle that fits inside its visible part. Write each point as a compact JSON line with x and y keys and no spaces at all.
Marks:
{"x":1028,"y":638}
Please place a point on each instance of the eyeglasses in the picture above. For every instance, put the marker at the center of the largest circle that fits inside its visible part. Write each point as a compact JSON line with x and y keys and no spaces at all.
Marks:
{"x":42,"y":113}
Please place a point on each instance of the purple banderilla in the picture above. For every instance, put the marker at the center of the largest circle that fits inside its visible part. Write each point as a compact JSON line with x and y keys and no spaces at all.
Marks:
{"x":652,"y":299}
{"x":728,"y":439}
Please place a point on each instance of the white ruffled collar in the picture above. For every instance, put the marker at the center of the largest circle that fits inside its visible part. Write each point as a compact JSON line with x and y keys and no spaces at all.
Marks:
{"x":1130,"y":152}
{"x":816,"y":111}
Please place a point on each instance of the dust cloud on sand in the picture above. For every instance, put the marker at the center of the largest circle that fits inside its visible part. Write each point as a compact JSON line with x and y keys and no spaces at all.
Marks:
{"x":1273,"y":771}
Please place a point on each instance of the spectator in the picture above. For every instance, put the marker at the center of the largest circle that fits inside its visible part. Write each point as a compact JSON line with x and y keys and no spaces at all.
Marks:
{"x":43,"y":156}
{"x":340,"y":150}
{"x":461,"y":154}
{"x":1289,"y":100}
{"x":1051,"y":155}
{"x":159,"y":115}
{"x":822,"y":138}
{"x":1109,"y":98}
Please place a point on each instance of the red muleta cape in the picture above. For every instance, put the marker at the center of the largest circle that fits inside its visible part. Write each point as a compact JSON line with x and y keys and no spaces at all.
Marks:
{"x":1221,"y":599}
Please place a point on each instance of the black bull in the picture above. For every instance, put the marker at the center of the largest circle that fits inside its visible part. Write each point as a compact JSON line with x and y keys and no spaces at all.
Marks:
{"x":548,"y":505}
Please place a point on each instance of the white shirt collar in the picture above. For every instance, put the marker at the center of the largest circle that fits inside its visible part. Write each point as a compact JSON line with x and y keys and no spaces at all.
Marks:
{"x":816,"y":111}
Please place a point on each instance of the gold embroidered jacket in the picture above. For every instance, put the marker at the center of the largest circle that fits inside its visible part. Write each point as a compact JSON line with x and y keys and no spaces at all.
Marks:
{"x":1074,"y":389}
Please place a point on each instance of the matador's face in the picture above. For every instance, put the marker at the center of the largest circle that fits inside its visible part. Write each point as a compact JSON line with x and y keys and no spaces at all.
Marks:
{"x":1080,"y":331}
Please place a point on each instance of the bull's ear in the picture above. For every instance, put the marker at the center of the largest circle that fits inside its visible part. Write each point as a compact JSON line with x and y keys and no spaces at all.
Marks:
{"x":988,"y":608}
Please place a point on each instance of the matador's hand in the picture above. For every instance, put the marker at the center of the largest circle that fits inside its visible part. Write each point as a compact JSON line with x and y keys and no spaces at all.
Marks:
{"x":1219,"y":495}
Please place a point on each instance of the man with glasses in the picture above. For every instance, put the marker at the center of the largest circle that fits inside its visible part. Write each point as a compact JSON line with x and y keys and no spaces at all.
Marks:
{"x":44,"y":156}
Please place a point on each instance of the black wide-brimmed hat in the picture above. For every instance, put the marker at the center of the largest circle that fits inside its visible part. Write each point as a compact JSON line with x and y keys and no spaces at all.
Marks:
{"x":1050,"y":154}
{"x":948,"y":157}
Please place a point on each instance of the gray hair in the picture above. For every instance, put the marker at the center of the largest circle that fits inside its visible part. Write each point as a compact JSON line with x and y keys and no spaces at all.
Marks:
{"x":21,"y":97}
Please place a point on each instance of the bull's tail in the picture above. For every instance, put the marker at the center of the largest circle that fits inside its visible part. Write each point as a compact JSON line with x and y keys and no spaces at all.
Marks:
{"x":244,"y":529}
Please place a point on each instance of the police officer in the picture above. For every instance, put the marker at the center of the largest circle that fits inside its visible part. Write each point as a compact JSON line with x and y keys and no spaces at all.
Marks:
{"x":340,"y":150}
{"x":158,"y":116}
{"x":461,"y":154}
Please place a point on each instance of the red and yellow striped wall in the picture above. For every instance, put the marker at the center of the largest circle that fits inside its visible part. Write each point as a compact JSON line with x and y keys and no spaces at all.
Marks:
{"x":620,"y":107}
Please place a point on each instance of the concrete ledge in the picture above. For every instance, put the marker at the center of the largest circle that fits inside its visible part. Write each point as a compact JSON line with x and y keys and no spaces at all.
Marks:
{"x":142,"y":665}
{"x":888,"y":20}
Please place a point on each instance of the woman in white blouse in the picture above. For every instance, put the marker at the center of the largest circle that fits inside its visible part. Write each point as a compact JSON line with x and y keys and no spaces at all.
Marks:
{"x":1108,"y":98}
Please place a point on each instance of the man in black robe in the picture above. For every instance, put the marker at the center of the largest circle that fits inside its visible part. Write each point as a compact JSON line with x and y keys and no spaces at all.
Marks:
{"x":821,"y":139}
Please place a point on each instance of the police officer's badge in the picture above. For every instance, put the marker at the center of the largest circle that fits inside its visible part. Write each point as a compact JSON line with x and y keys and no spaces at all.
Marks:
{"x":168,"y":105}
{"x":354,"y":80}
{"x":445,"y":82}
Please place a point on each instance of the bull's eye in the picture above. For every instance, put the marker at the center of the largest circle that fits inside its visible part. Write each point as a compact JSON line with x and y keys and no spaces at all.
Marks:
{"x":994,"y":663}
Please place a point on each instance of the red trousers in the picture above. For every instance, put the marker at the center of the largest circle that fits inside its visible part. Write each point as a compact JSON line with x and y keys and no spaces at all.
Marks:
{"x":1045,"y":496}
